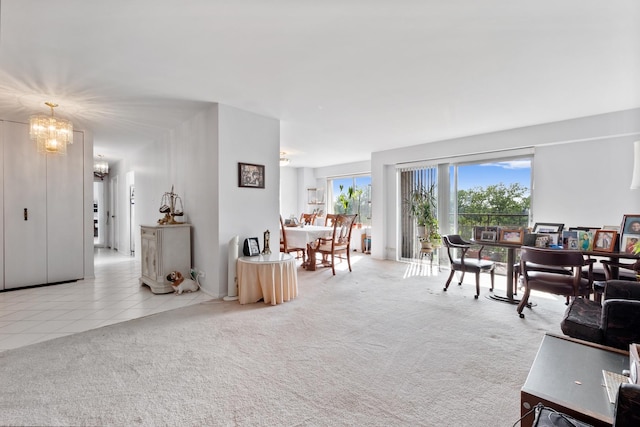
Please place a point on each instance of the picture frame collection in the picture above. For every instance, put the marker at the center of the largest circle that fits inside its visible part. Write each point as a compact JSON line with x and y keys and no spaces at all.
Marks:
{"x":624,"y":238}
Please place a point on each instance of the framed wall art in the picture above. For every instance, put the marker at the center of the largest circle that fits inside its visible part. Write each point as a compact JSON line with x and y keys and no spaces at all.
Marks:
{"x":604,"y":240}
{"x":250,"y":175}
{"x":512,"y":235}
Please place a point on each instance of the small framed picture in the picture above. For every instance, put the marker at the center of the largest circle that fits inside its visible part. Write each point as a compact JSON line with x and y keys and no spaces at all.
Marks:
{"x":542,"y":241}
{"x":251,"y":247}
{"x":547,"y":227}
{"x":479,"y":230}
{"x":630,"y":224}
{"x":488,"y":236}
{"x":628,"y":243}
{"x":604,"y":240}
{"x":511,"y":235}
{"x":251,"y":176}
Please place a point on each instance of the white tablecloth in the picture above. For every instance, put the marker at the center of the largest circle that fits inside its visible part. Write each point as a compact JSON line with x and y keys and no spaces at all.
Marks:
{"x":273,"y":278}
{"x":298,"y":237}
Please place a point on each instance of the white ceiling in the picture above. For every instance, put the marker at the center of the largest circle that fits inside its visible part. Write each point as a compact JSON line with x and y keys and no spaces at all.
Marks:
{"x":345,"y":78}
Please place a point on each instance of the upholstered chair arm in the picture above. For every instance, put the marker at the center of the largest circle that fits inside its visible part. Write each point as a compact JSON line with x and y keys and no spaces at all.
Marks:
{"x":620,"y":322}
{"x":627,"y":409}
{"x":622,"y":289}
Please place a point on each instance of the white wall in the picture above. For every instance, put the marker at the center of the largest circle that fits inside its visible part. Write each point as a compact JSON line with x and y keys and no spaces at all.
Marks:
{"x":200,"y":160}
{"x":289,"y":192}
{"x":579,"y":163}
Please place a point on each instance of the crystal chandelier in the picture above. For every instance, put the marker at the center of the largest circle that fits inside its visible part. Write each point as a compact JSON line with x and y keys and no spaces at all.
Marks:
{"x":100,"y":167}
{"x":50,"y":133}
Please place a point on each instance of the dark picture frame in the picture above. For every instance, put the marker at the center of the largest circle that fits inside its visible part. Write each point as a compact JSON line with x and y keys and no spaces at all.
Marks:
{"x":548,"y":227}
{"x":630,"y":224}
{"x":629,"y":232}
{"x":511,"y":235}
{"x":250,"y":175}
{"x":488,"y":236}
{"x":604,"y":240}
{"x":251,"y":246}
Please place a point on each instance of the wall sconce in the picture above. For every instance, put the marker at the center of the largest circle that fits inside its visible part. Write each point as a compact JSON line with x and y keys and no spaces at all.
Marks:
{"x":283,"y":160}
{"x":635,"y":180}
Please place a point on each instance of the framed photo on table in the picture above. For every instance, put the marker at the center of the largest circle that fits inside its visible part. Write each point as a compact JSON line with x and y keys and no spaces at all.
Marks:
{"x":511,"y":235}
{"x":629,"y":233}
{"x":250,"y":175}
{"x":552,"y":229}
{"x":604,"y":240}
{"x":488,"y":236}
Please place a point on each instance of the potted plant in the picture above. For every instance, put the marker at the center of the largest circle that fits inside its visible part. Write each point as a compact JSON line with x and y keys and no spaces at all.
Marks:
{"x":423,"y":208}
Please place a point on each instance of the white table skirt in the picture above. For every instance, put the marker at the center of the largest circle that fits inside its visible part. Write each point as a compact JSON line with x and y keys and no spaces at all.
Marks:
{"x":273,"y":278}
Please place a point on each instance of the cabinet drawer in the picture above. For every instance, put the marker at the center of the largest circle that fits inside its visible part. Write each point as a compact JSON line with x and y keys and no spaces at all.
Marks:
{"x":148,"y":233}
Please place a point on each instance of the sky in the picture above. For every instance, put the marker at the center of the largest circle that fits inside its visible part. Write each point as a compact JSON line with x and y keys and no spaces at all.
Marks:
{"x":483,"y":175}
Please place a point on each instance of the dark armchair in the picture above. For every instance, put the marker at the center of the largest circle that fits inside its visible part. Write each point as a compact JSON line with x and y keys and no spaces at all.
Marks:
{"x":465,"y":264}
{"x":614,"y":323}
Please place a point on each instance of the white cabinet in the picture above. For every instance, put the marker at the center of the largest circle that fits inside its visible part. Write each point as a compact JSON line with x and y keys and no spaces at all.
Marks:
{"x":42,"y":209}
{"x":165,"y":248}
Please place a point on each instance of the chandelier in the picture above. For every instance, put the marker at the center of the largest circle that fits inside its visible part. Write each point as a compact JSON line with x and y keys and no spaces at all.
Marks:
{"x":100,"y":167}
{"x":50,"y":133}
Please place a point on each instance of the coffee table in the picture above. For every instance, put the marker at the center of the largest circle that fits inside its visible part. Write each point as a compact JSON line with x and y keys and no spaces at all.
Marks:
{"x":566,"y":375}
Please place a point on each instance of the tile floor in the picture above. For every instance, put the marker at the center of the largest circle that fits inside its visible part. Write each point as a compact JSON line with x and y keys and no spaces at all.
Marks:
{"x":28,"y":316}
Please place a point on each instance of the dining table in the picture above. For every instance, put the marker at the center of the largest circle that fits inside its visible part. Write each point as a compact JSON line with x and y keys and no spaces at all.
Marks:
{"x":298,"y":237}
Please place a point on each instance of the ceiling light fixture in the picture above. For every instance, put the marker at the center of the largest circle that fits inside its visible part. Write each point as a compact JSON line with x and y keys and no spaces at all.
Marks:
{"x":51,"y":134}
{"x":100,"y":167}
{"x":283,"y":160}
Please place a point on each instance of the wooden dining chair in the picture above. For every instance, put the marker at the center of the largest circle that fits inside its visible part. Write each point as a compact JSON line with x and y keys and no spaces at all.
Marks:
{"x":559,"y":282}
{"x":308,"y":219}
{"x":338,"y":246}
{"x":462,"y":263}
{"x":284,"y":247}
{"x":328,"y":220}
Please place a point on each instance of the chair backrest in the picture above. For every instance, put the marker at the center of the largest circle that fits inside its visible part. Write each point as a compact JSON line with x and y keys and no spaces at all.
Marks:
{"x":342,"y":226}
{"x":283,"y":235}
{"x":551,"y":257}
{"x":307,"y":219}
{"x":329,"y":219}
{"x":453,"y":242}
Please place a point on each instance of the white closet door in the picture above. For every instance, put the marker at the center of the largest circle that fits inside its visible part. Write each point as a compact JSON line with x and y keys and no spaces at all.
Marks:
{"x":65,"y":198}
{"x":25,"y":204}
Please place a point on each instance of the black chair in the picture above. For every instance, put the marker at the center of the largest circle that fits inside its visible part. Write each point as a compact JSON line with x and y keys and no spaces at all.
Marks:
{"x":464,"y":264}
{"x":537,"y":267}
{"x":614,"y":323}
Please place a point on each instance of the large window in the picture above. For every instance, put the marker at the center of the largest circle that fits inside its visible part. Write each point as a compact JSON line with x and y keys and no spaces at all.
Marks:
{"x":351,"y":194}
{"x":482,"y":192}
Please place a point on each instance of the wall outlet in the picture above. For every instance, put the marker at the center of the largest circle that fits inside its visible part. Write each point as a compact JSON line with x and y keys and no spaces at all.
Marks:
{"x":201,"y":274}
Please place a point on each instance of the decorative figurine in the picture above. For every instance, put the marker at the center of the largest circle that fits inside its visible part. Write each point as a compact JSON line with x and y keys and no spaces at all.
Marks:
{"x":266,"y":250}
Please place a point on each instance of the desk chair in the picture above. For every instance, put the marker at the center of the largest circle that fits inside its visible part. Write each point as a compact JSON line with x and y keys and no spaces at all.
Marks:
{"x":464,"y":264}
{"x":554,"y":282}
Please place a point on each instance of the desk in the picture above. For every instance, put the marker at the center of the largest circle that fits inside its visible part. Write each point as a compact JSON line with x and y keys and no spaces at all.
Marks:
{"x":567,"y":375}
{"x":272,"y":277}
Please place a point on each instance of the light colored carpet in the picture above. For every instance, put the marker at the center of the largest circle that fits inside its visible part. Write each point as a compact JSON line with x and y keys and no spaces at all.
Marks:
{"x":376,"y":347}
